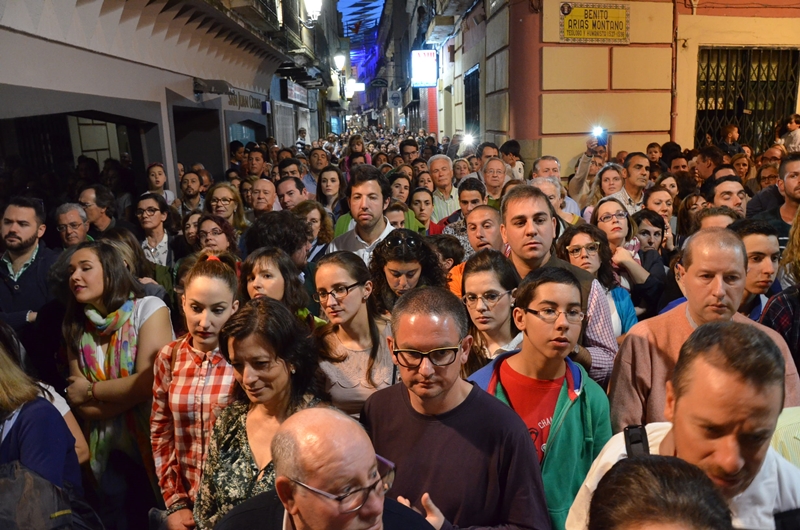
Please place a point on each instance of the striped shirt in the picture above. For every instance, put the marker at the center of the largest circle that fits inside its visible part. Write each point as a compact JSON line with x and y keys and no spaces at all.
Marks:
{"x":188,"y":395}
{"x":444,"y":206}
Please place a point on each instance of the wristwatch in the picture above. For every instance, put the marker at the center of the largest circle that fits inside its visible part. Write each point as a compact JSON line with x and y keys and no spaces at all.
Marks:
{"x":89,"y":391}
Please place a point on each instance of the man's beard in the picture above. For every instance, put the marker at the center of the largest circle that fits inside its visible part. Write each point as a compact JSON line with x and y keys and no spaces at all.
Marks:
{"x":22,"y":245}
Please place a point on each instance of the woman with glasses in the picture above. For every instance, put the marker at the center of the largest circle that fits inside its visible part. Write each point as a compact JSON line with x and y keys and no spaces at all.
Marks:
{"x":223,"y":200}
{"x":193,"y":383}
{"x":639,"y":272}
{"x":566,"y":412}
{"x":488,"y":285}
{"x":215,"y":233}
{"x":401,"y":262}
{"x":767,"y":175}
{"x":353,"y":345}
{"x":152,"y":213}
{"x":275,"y":365}
{"x":586,"y":246}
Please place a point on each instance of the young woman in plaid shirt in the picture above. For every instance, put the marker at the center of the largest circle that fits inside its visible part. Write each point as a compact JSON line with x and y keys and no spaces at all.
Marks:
{"x":193,"y":384}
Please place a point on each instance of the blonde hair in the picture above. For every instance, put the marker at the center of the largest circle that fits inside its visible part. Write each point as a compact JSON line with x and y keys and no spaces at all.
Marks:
{"x":16,"y":388}
{"x":790,"y":262}
{"x":238,"y":220}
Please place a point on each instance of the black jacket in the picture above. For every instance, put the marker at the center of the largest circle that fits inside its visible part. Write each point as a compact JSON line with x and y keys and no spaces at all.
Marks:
{"x":29,"y":292}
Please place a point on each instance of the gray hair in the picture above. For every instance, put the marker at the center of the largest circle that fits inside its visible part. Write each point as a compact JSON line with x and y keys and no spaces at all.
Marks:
{"x":491,"y":159}
{"x":285,"y":455}
{"x":545,"y":157}
{"x":68,"y":207}
{"x":434,"y":158}
{"x":555,"y":181}
{"x":431,"y":301}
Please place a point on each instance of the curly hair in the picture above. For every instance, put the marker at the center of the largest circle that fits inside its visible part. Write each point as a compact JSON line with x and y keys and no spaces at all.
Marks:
{"x":225,"y":226}
{"x":282,"y":335}
{"x":295,"y":296}
{"x":605,"y":274}
{"x":404,"y":246}
{"x":302,"y":210}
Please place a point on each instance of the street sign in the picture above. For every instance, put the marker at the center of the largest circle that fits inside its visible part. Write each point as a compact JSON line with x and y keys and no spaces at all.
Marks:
{"x":395,"y":99}
{"x":379,"y":82}
{"x":594,"y":23}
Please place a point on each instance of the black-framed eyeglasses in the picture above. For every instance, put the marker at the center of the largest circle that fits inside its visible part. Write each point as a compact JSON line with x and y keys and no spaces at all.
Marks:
{"x":609,"y":216}
{"x":147,"y":212}
{"x":550,"y":315}
{"x":591,"y":249}
{"x":202,"y":234}
{"x":437,"y":356}
{"x":352,"y":501}
{"x":490,"y":298}
{"x":338,"y":293}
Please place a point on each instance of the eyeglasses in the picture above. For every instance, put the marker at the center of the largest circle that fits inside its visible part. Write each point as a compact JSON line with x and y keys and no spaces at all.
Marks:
{"x":591,"y":249}
{"x":352,"y":501}
{"x":438,"y":356}
{"x":549,"y":315}
{"x":609,"y":216}
{"x":202,"y":234}
{"x":490,"y":298}
{"x":221,"y":200}
{"x":769,"y":178}
{"x":147,"y":212}
{"x":338,"y":293}
{"x":71,"y":226}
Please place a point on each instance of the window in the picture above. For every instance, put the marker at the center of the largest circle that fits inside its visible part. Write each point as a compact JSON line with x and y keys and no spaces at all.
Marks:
{"x":753,"y":88}
{"x":472,"y":101}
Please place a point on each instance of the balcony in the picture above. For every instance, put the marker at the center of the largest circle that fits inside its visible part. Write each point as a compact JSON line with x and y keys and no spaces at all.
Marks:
{"x":454,"y":7}
{"x":439,"y":29}
{"x":262,"y":14}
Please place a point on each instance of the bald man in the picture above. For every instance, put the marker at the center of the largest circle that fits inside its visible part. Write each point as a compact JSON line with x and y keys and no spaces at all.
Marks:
{"x":328,"y":477}
{"x":712,"y":274}
{"x":263,"y":196}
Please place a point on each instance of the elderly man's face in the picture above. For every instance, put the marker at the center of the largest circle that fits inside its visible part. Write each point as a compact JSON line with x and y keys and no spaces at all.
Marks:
{"x":71,"y":228}
{"x":714,"y":282}
{"x":723,"y":424}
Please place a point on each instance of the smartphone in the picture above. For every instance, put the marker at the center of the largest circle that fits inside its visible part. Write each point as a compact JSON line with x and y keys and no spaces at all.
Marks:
{"x":601,"y":135}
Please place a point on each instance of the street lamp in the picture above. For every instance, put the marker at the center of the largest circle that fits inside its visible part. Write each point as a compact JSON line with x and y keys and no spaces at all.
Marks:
{"x":313,"y":10}
{"x":339,"y":60}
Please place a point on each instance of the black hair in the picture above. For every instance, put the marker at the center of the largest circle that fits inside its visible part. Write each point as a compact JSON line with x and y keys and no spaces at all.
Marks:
{"x":484,"y":145}
{"x":297,"y":182}
{"x":472,"y":184}
{"x":605,"y":274}
{"x":295,"y":296}
{"x":709,"y":188}
{"x":749,"y":227}
{"x":286,"y":162}
{"x":37,"y":205}
{"x":651,"y":217}
{"x":526,"y":291}
{"x":448,"y":246}
{"x":281,"y":229}
{"x":235,"y":146}
{"x":366,"y":172}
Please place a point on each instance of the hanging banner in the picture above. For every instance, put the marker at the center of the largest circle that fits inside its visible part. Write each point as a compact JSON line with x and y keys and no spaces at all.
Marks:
{"x":595,"y":23}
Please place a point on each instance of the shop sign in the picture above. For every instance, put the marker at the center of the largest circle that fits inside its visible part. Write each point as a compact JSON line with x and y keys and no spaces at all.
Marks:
{"x":594,"y":23}
{"x":424,"y":68}
{"x":243,"y":101}
{"x":379,"y":82}
{"x":291,"y":91}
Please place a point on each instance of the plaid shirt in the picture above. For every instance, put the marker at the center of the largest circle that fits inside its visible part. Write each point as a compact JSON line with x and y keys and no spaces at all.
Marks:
{"x":186,"y":403}
{"x":782,"y":313}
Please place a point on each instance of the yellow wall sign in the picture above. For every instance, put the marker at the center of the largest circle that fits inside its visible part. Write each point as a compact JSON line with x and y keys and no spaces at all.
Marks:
{"x":595,"y":23}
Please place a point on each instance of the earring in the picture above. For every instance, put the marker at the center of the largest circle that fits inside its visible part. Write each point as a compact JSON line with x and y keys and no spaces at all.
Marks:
{"x":292,"y":369}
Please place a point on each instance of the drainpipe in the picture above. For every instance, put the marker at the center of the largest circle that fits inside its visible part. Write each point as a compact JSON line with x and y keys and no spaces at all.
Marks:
{"x":674,"y":104}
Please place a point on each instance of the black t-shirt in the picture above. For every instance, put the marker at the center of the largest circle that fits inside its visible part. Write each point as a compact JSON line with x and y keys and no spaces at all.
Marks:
{"x":265,"y":512}
{"x":477,"y":461}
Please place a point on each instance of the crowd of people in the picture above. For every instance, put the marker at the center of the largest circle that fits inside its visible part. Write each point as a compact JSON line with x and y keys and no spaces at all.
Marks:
{"x":379,"y":330}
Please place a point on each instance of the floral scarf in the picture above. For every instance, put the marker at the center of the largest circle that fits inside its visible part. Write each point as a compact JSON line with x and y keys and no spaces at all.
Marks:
{"x":129,"y":432}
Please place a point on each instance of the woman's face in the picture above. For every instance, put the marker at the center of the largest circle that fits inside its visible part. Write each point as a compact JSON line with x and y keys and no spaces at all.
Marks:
{"x":314,"y":220}
{"x":741,"y":166}
{"x":611,"y":182}
{"x":586,"y":260}
{"x":407,"y":171}
{"x":486,"y":316}
{"x":661,"y":203}
{"x":615,"y":228}
{"x":263,"y":375}
{"x":379,"y":159}
{"x":672,"y":186}
{"x":86,"y":277}
{"x":400,"y":189}
{"x":212,"y":237}
{"x":223,"y":203}
{"x":402,"y":276}
{"x":341,"y":310}
{"x":461,"y":169}
{"x":329,"y":181}
{"x":699,"y":204}
{"x":650,"y":237}
{"x":274,"y":173}
{"x":422,"y":206}
{"x":148,"y":214}
{"x":425,"y":180}
{"x":181,"y":171}
{"x":190,"y":229}
{"x":156,"y":177}
{"x":207,"y":304}
{"x":475,"y":163}
{"x":266,"y":280}
{"x":246,"y":188}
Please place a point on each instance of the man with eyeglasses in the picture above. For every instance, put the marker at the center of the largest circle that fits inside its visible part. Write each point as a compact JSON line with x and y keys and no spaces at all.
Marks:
{"x":72,"y":224}
{"x":463,"y":458}
{"x":781,"y":217}
{"x":529,"y":228}
{"x":769,"y":197}
{"x":712,"y":274}
{"x":328,"y":477}
{"x":409,"y":150}
{"x":551,"y":393}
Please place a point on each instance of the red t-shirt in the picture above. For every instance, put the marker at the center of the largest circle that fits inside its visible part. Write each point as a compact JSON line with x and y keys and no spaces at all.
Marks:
{"x":534,"y":400}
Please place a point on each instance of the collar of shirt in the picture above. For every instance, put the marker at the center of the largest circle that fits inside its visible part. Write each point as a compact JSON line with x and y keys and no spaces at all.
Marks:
{"x":437,"y":193}
{"x":386,"y":231}
{"x":15,"y":275}
{"x":214,"y":356}
{"x":628,"y":201}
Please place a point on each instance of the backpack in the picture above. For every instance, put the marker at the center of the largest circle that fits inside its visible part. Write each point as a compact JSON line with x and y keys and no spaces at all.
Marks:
{"x":28,"y":500}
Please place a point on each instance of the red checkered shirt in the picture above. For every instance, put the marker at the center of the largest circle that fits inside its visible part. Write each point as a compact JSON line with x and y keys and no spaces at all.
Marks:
{"x":186,"y":402}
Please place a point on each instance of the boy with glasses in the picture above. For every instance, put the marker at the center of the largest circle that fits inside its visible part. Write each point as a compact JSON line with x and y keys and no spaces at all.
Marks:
{"x":463,"y":458}
{"x":549,"y":391}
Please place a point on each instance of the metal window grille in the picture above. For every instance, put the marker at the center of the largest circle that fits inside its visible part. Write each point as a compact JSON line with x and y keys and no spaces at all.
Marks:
{"x":753,"y":88}
{"x":472,"y":101}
